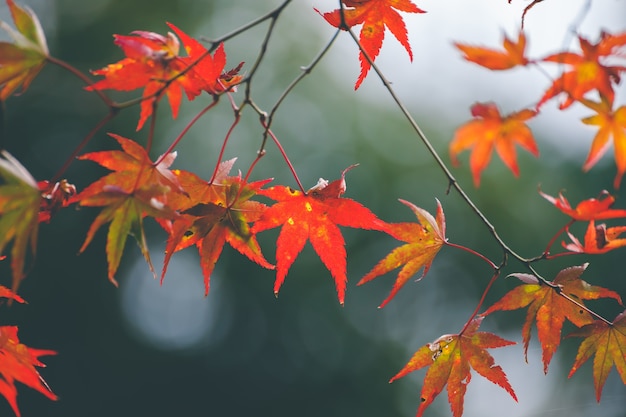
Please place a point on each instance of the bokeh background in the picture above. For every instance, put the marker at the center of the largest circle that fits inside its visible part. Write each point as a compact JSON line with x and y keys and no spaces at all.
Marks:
{"x":145,"y":349}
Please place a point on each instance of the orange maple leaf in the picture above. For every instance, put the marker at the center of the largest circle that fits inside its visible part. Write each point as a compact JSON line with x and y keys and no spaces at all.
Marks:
{"x":215,"y":214}
{"x":17,"y":363}
{"x":598,"y":239}
{"x":612,"y":124}
{"x":549,"y":308}
{"x":375,"y":15}
{"x":135,"y":189}
{"x":314,"y":216}
{"x":20,"y":62}
{"x":590,"y":209}
{"x":152,"y":62}
{"x":587,"y":73}
{"x":608,"y":342}
{"x":489,"y":130}
{"x":424,"y":240}
{"x":512,"y":56}
{"x":449,"y":359}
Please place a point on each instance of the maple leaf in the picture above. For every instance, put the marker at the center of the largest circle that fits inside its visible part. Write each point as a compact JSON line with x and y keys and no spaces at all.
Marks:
{"x":19,"y":213}
{"x":489,"y":129}
{"x":449,"y":359}
{"x":314,"y":216}
{"x":132,"y":168}
{"x":608,"y":342}
{"x":7,"y":293}
{"x":598,"y":239}
{"x":220,"y":213}
{"x":424,"y":240}
{"x":549,"y":308}
{"x":152,"y":62}
{"x":612,"y":124}
{"x":17,"y":363}
{"x":20,"y":62}
{"x":590,"y":209}
{"x":587,"y":73}
{"x":206,"y":72}
{"x":512,"y":56}
{"x":135,"y":189}
{"x":375,"y":15}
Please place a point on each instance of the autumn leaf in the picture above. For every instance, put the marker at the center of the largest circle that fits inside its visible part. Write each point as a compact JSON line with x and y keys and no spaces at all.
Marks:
{"x":7,"y":293}
{"x":424,"y":240}
{"x":153,"y":63}
{"x":132,"y":168}
{"x":608,"y":343}
{"x":215,"y":214}
{"x":449,"y":359}
{"x":587,"y":73}
{"x":206,"y":72}
{"x":598,"y":239}
{"x":549,"y":307}
{"x":512,"y":56}
{"x":611,"y":124}
{"x":19,"y":213}
{"x":21,"y":61}
{"x":17,"y":363}
{"x":375,"y":15}
{"x":590,"y":209}
{"x":314,"y":216}
{"x":135,"y":189}
{"x":489,"y":130}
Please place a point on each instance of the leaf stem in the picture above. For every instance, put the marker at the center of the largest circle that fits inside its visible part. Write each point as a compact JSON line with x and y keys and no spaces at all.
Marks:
{"x":112,"y":113}
{"x":473,"y":252}
{"x":223,"y":148}
{"x":495,"y":276}
{"x":284,"y":154}
{"x":68,"y":67}
{"x":185,"y":130}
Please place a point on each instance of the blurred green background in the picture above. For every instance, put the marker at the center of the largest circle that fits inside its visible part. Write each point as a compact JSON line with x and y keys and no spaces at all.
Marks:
{"x":144,"y":349}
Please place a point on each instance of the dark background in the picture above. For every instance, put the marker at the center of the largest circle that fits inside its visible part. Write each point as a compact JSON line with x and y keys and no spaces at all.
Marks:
{"x":142,"y":349}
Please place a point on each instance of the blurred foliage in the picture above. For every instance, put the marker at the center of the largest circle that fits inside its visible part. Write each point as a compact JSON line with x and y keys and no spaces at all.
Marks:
{"x":301,"y":354}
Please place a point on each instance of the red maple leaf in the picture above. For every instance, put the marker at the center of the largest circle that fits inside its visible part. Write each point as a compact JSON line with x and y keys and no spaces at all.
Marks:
{"x":611,"y":124}
{"x":135,"y":189}
{"x":424,"y":240}
{"x":598,"y":239}
{"x":449,"y":359}
{"x":489,"y":130}
{"x":588,"y":73}
{"x":153,"y":63}
{"x":375,"y":15}
{"x":608,"y":342}
{"x":314,"y":216}
{"x":18,"y":361}
{"x":512,"y":56}
{"x":213,"y":214}
{"x":20,"y":62}
{"x":549,"y":308}
{"x":590,"y":209}
{"x":206,"y":72}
